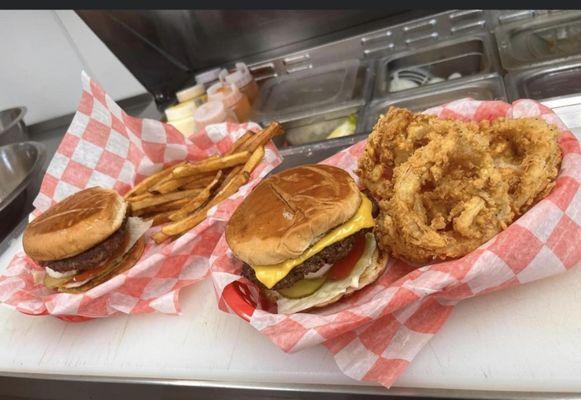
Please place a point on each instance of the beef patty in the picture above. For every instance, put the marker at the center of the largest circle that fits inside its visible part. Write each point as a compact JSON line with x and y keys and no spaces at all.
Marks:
{"x":329,"y":255}
{"x":93,"y":257}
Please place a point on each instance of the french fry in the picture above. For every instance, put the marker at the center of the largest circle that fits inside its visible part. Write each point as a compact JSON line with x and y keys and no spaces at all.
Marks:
{"x":164,"y":198}
{"x":140,"y":196}
{"x":197,"y":201}
{"x":254,"y":160}
{"x":148,"y":182}
{"x":160,"y":218}
{"x":170,"y":206}
{"x":160,"y":237}
{"x":211,"y":165}
{"x":231,"y":174}
{"x":240,"y":142}
{"x":173,"y":184}
{"x":261,"y":138}
{"x":197,"y":217}
{"x":199,"y":182}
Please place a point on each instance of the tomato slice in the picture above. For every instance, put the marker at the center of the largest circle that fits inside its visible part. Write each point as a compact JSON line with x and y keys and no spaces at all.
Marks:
{"x":342,"y":268}
{"x":83,"y":276}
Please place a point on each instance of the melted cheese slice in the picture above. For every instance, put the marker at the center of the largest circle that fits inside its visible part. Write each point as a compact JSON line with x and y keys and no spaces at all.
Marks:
{"x":269,"y":275}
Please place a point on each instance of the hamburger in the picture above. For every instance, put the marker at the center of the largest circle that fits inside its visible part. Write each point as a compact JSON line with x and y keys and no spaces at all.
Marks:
{"x":85,"y":240}
{"x":305,"y":237}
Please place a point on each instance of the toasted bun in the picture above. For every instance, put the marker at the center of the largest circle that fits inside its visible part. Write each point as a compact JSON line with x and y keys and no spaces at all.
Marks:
{"x":129,"y":260}
{"x":369,"y":276}
{"x":74,"y":225}
{"x":287,"y":212}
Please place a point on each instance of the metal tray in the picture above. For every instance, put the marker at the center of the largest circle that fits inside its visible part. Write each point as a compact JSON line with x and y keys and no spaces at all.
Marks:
{"x":298,"y":95}
{"x":486,"y":87}
{"x":469,"y":56}
{"x":315,"y":128}
{"x":316,"y":123}
{"x":540,"y":39}
{"x":545,"y":82}
{"x":315,"y":152}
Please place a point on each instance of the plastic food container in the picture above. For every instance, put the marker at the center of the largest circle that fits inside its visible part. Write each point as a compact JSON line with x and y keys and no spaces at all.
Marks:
{"x":181,"y":116}
{"x":196,"y":93}
{"x":232,"y":98}
{"x":208,"y":78}
{"x":243,"y":79}
{"x":212,"y":112}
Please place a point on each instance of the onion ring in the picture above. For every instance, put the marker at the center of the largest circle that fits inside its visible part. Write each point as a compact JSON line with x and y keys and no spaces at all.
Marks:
{"x":527,"y":152}
{"x":448,"y":198}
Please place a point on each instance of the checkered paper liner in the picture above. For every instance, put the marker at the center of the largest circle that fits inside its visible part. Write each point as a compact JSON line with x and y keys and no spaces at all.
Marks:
{"x":106,"y":147}
{"x":375,"y":333}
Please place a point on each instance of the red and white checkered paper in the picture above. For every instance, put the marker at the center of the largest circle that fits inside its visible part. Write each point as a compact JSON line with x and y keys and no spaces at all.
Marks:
{"x":106,"y":147}
{"x":376,"y":333}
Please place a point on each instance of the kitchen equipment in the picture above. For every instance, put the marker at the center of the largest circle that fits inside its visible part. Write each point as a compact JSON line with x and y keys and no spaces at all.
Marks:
{"x":545,"y":82}
{"x":19,"y":165}
{"x":539,"y":38}
{"x":468,"y":56}
{"x":12,"y":127}
{"x":484,"y":87}
{"x":310,"y":104}
{"x":290,"y":96}
{"x":316,"y":128}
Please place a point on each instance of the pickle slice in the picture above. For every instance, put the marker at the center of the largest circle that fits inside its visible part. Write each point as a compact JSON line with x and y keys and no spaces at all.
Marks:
{"x":303,"y":288}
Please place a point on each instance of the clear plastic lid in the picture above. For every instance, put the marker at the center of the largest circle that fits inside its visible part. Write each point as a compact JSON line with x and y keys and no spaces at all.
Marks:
{"x":190,"y":92}
{"x":208,"y":76}
{"x":292,"y":96}
{"x":212,"y":112}
{"x":227,"y":94}
{"x":181,"y":110}
{"x":240,"y":77}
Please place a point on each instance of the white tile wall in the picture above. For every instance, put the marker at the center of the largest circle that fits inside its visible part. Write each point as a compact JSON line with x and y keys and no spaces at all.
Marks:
{"x":43,"y":53}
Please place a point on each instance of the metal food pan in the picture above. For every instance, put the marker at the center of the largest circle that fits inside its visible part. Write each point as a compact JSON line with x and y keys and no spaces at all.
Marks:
{"x":315,"y":152}
{"x":316,"y":128}
{"x":486,"y":87}
{"x":545,"y":82}
{"x":540,"y":39}
{"x":305,"y":93}
{"x":469,"y":56}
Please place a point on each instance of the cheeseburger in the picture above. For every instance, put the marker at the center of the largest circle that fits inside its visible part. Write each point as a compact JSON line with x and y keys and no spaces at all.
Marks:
{"x":85,"y":240}
{"x":305,"y":237}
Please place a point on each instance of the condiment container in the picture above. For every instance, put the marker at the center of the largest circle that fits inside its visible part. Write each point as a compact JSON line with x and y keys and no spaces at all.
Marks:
{"x":181,"y":116}
{"x":208,"y":78}
{"x":243,"y":79}
{"x":212,"y":112}
{"x":196,"y":93}
{"x":232,"y":99}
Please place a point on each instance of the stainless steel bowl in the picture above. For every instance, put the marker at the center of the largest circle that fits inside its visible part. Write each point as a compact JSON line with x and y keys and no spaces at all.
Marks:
{"x":12,"y":127}
{"x":20,"y":163}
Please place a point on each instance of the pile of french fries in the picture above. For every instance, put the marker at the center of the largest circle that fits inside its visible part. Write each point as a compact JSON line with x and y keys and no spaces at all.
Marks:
{"x":181,"y":196}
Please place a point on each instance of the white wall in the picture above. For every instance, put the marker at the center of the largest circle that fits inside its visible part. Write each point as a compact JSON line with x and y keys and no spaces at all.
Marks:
{"x":43,"y":53}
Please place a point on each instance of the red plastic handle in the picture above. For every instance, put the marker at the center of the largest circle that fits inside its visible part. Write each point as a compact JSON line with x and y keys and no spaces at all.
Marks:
{"x":239,"y":299}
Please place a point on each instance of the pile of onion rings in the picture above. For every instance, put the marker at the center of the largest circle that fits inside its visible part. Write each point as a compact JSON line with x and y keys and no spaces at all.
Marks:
{"x":445,"y":187}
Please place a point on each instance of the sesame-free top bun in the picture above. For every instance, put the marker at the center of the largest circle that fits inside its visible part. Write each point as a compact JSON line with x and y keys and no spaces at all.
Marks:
{"x":74,"y":225}
{"x":289,"y":211}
